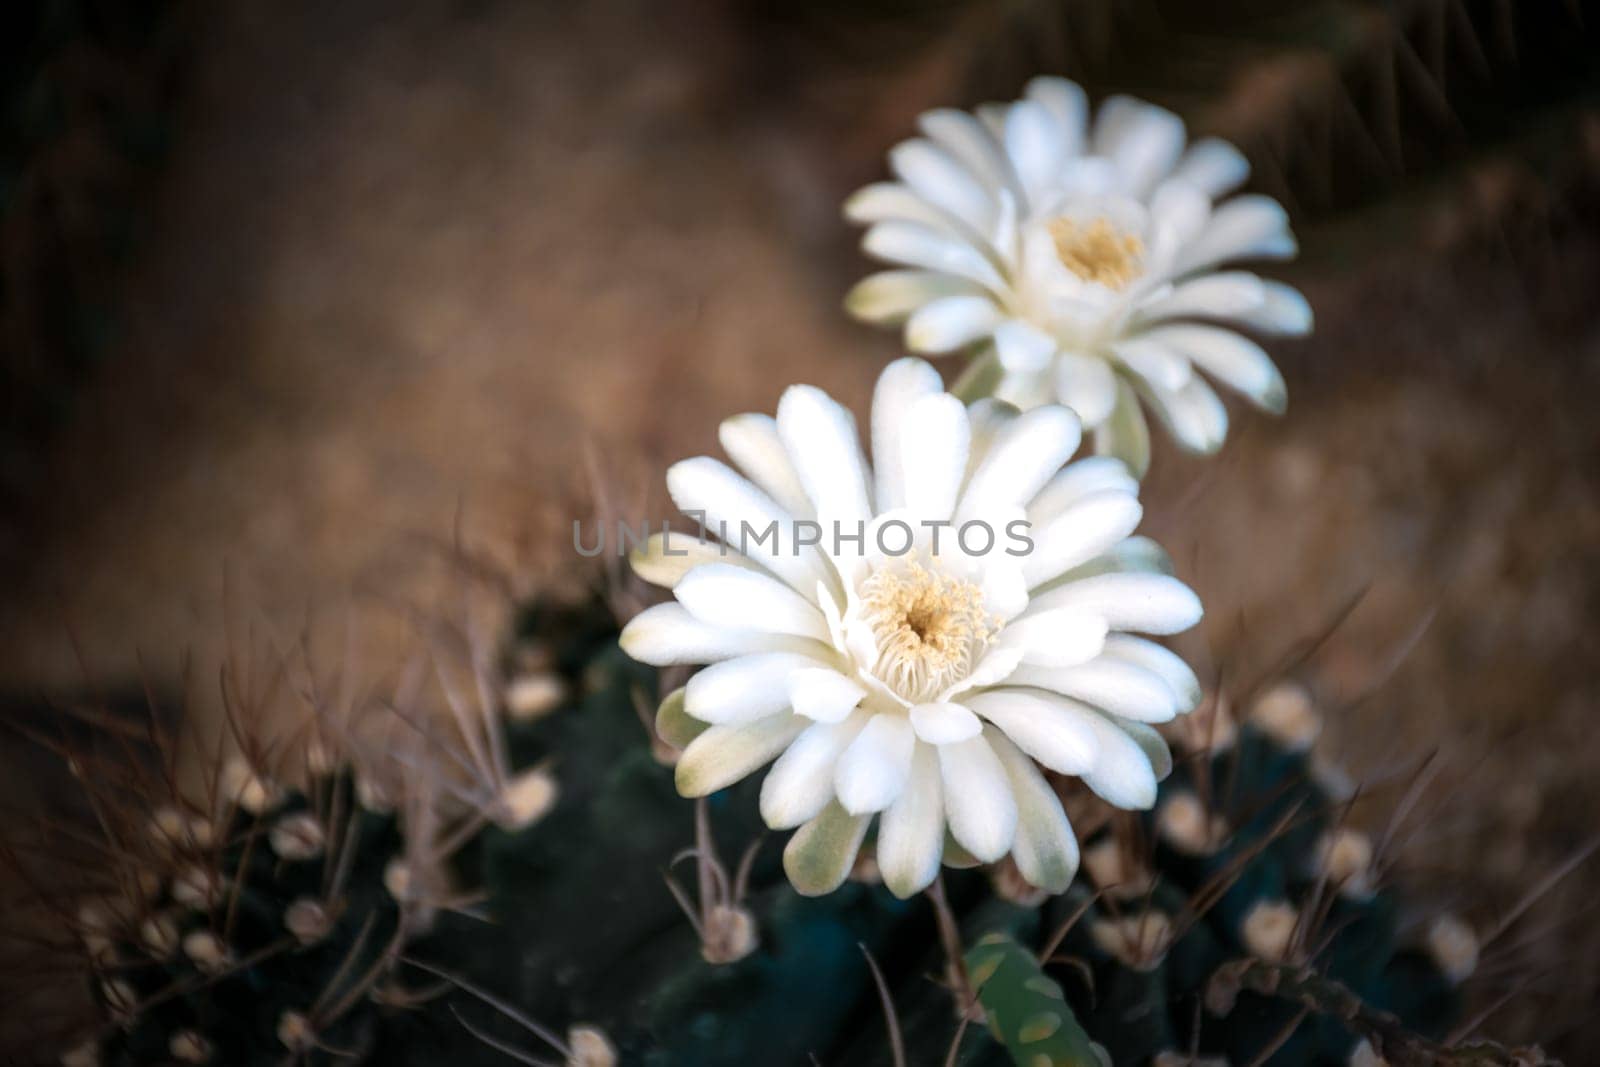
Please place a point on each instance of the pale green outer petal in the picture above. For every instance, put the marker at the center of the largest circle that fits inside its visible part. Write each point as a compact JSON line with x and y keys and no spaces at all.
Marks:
{"x":888,"y":297}
{"x":724,"y":754}
{"x":951,"y":323}
{"x":911,"y":832}
{"x":819,"y":856}
{"x":1046,"y":850}
{"x":1125,"y":435}
{"x":674,"y":725}
{"x":1136,"y":555}
{"x":667,"y":556}
{"x":978,"y":800}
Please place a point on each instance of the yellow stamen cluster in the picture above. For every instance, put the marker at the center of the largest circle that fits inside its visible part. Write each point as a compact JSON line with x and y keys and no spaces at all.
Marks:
{"x":930,"y":629}
{"x":1097,"y":252}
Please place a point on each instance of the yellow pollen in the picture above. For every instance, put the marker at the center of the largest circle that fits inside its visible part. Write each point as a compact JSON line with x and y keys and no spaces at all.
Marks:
{"x":930,"y":629}
{"x":1097,"y":252}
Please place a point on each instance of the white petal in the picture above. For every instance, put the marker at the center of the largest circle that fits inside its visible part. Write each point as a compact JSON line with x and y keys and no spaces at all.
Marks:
{"x":872,"y":771}
{"x":1077,"y":481}
{"x":1153,"y":745}
{"x":753,"y":443}
{"x":725,"y":595}
{"x":1229,"y":294}
{"x":1165,"y":663}
{"x":941,"y":179}
{"x":1283,"y":311}
{"x":1193,"y":415}
{"x":1158,"y":364}
{"x":1235,"y":361}
{"x":667,"y":556}
{"x":705,"y":486}
{"x":911,"y":831}
{"x":820,"y":436}
{"x":965,"y":138}
{"x":1149,"y":603}
{"x":667,"y":634}
{"x":800,"y":784}
{"x":1125,"y":435}
{"x":1051,"y":729}
{"x":950,"y":323}
{"x":987,"y":418}
{"x":1034,"y":143}
{"x":978,"y":800}
{"x":822,"y":694}
{"x":1136,"y":555}
{"x":944,"y":724}
{"x":1180,"y":209}
{"x":819,"y":856}
{"x":1119,"y":688}
{"x":1086,"y":385}
{"x":890,"y":296}
{"x":1122,"y":774}
{"x":1045,"y":849}
{"x":724,"y":754}
{"x":1246,"y":227}
{"x":1025,"y":454}
{"x":1059,"y":638}
{"x":992,"y":669}
{"x":1023,"y":348}
{"x":744,"y":688}
{"x":1213,"y":166}
{"x":901,"y":385}
{"x":1069,"y":106}
{"x":1142,"y":140}
{"x":934,"y":440}
{"x":893,"y":202}
{"x":915,"y":245}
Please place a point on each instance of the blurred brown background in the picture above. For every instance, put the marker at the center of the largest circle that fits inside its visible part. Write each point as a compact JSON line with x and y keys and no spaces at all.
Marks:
{"x":295,"y":292}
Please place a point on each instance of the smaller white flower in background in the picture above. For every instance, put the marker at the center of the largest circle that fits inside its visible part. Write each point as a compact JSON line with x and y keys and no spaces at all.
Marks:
{"x":925,"y":688}
{"x":1088,"y":255}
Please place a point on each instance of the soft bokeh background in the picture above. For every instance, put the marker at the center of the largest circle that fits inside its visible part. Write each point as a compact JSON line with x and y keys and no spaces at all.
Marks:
{"x":296,"y":295}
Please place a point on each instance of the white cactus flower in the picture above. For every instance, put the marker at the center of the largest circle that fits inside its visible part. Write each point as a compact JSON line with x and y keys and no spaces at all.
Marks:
{"x":925,"y":686}
{"x":1088,"y":255}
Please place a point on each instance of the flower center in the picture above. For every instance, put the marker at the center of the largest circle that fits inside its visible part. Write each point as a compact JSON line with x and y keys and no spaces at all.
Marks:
{"x":1097,"y":251}
{"x":929,"y":629}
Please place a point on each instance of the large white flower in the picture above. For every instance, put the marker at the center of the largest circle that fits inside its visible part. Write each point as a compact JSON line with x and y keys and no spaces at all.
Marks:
{"x":923,"y":685}
{"x":1088,"y":255}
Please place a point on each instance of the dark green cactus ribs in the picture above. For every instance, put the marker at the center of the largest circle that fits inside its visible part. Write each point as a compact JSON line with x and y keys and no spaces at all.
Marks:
{"x":556,"y":901}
